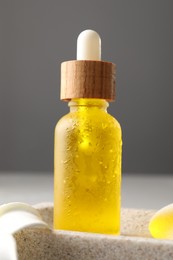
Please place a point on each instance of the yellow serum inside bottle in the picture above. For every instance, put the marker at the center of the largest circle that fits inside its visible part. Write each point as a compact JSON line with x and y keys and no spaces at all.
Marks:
{"x":88,"y":169}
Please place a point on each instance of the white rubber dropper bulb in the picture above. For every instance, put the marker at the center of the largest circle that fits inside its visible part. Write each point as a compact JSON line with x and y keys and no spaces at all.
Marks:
{"x":88,"y":46}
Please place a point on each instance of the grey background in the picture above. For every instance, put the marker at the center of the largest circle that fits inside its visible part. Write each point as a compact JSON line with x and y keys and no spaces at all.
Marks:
{"x":37,"y":35}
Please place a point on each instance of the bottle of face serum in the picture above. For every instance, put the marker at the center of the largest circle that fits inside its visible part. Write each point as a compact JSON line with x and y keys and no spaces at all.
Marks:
{"x":88,"y":144}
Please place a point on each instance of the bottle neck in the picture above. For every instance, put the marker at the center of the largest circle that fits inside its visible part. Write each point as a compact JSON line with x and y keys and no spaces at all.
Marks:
{"x":87,"y":103}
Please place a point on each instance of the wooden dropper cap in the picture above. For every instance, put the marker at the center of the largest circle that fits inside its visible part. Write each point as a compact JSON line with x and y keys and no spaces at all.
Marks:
{"x":88,"y":76}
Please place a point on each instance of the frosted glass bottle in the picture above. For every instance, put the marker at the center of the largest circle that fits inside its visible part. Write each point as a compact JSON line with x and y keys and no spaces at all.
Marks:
{"x":87,"y":168}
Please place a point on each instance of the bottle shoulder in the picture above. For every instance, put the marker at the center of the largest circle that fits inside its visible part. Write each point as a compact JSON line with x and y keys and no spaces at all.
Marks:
{"x":114,"y":121}
{"x":64,"y":120}
{"x":75,"y":119}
